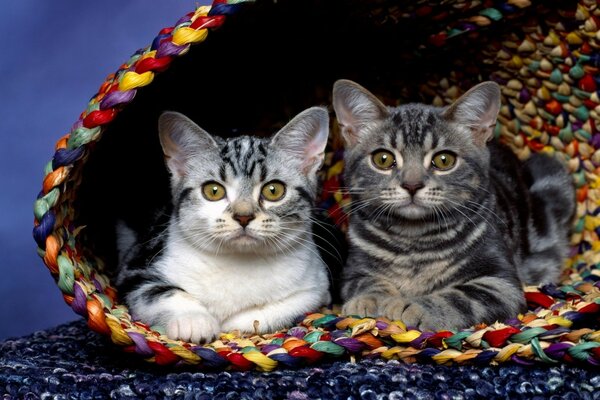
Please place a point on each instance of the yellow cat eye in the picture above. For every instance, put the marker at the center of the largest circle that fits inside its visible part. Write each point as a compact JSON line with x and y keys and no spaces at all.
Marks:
{"x":273,"y":191}
{"x":383,"y":159}
{"x":213,"y":191}
{"x":443,"y":161}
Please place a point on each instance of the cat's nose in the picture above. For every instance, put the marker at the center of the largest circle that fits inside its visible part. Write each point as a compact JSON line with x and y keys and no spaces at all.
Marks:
{"x":244,"y":220}
{"x":413,"y":187}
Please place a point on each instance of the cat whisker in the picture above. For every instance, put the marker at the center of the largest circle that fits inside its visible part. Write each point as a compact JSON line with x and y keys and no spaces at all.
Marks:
{"x":357,"y":206}
{"x":490,"y":211}
{"x":305,"y":243}
{"x":338,"y":257}
{"x":476,"y":212}
{"x":327,"y":227}
{"x":457,"y":208}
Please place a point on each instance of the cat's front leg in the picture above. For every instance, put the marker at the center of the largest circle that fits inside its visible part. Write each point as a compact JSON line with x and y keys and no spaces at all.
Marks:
{"x":410,"y":311}
{"x":182,"y":316}
{"x":485,"y":299}
{"x":195,"y":326}
{"x":276,"y":315}
{"x":363,"y":305}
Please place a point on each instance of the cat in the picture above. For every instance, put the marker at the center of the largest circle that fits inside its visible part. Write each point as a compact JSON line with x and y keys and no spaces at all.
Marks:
{"x":238,"y":245}
{"x":445,"y":225}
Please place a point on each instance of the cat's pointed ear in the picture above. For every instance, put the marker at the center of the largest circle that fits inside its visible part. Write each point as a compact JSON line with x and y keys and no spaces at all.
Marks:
{"x":305,"y":138}
{"x":355,"y":107}
{"x":181,"y":139}
{"x":477,"y":110}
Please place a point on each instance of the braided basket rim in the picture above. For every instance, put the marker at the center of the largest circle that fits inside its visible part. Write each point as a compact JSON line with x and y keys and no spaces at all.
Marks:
{"x":542,"y":336}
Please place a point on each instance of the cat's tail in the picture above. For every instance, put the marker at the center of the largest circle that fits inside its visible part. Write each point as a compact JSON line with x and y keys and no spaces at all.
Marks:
{"x":552,"y":195}
{"x":551,"y":187}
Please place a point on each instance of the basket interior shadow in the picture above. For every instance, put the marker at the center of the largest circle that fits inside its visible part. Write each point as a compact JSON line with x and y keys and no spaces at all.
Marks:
{"x":271,"y":60}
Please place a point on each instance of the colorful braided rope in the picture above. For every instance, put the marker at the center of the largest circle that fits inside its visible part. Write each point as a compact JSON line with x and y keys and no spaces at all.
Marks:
{"x":551,"y":104}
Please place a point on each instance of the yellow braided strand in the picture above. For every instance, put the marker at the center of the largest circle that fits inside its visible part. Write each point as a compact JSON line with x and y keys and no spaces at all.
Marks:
{"x":561,"y":321}
{"x":362,"y":326}
{"x":446,"y":357}
{"x":201,"y":11}
{"x":132,"y":80}
{"x":263,"y":362}
{"x":185,"y":354}
{"x":400,"y":353}
{"x":188,"y":35}
{"x":406,"y":337}
{"x":117,"y":333}
{"x":507,"y":351}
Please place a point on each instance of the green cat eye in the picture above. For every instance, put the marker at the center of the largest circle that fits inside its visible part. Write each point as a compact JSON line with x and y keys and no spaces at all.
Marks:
{"x":443,"y":161}
{"x":213,"y":191}
{"x":273,"y":191}
{"x":383,"y":159}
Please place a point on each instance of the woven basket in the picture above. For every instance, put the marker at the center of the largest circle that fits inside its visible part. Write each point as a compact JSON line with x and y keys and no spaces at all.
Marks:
{"x":226,"y":69}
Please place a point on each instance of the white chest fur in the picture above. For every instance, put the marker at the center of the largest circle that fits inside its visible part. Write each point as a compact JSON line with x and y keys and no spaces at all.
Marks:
{"x":226,"y":284}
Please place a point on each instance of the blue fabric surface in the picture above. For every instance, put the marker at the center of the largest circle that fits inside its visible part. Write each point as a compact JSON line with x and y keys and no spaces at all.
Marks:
{"x":71,"y":361}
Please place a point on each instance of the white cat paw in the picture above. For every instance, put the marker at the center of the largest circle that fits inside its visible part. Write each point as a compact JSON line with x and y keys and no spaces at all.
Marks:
{"x":193,"y":327}
{"x":363,"y":305}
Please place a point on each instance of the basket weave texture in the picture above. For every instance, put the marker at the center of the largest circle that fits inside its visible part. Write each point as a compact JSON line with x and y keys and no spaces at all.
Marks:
{"x":551,"y":103}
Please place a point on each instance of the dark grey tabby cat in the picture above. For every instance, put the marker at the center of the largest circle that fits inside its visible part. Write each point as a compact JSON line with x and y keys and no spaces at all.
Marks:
{"x":445,"y":227}
{"x":238,"y":251}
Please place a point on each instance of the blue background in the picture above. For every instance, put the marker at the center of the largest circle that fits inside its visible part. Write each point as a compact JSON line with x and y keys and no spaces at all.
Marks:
{"x":53,"y":57}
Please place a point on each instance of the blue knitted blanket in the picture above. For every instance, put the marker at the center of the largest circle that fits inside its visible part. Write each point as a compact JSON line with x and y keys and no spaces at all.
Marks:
{"x":72,"y":362}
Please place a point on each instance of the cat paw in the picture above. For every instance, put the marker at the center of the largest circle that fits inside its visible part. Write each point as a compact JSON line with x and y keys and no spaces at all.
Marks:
{"x":409,"y":312}
{"x":193,"y":327}
{"x":413,"y":314}
{"x":363,"y":305}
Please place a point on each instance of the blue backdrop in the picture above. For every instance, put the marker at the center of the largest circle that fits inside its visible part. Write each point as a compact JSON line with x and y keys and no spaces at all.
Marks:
{"x":53,"y":57}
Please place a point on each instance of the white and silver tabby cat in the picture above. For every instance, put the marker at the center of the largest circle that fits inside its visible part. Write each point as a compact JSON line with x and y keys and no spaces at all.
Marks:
{"x":445,"y":226}
{"x":238,"y":246}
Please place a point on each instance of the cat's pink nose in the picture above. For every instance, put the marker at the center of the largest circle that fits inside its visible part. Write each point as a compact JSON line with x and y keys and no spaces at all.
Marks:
{"x":244,"y":220}
{"x":413,"y":187}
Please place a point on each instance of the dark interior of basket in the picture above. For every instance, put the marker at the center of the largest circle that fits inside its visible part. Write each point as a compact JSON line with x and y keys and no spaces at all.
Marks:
{"x":268,"y":61}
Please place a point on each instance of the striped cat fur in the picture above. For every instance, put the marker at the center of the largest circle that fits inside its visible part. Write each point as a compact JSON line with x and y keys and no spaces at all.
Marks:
{"x":237,"y":250}
{"x":446,"y":226}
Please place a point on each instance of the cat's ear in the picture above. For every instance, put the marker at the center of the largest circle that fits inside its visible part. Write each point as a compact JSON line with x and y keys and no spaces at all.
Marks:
{"x":305,"y":138}
{"x":181,"y":139}
{"x":477,"y":110}
{"x":354,"y":108}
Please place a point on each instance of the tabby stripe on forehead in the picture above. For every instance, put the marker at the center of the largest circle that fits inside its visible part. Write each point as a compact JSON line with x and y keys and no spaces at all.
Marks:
{"x":246,"y":159}
{"x":228,"y":161}
{"x":430,"y":119}
{"x":393,"y":139}
{"x":261,"y":149}
{"x":263,"y":172}
{"x":238,"y":149}
{"x":225,"y":150}
{"x":435,"y":140}
{"x":250,"y":171}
